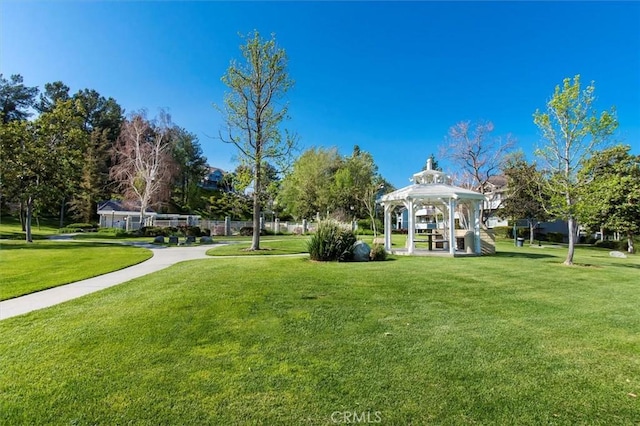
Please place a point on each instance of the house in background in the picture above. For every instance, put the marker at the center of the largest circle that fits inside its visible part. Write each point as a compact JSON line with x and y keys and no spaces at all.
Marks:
{"x":115,"y":214}
{"x":495,"y":191}
{"x":213,"y":179}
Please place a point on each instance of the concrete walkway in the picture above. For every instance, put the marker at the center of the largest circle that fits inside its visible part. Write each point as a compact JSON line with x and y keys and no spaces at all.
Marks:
{"x":163,"y":257}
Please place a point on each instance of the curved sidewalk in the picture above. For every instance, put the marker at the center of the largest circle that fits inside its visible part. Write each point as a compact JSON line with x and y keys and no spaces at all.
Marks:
{"x":163,"y":257}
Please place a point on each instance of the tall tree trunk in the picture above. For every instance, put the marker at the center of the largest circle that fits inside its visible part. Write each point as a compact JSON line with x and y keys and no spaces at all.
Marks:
{"x":255,"y":243}
{"x":142,"y":209}
{"x":184,"y":190}
{"x":21,"y":213}
{"x":531,"y":232}
{"x":62,"y":213}
{"x":483,"y":218}
{"x":27,"y":220}
{"x":630,"y":247}
{"x":571,"y":223}
{"x":373,"y":224}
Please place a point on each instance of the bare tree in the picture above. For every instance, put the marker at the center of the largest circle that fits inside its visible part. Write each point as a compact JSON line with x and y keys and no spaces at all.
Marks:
{"x":476,"y":154}
{"x":143,"y":166}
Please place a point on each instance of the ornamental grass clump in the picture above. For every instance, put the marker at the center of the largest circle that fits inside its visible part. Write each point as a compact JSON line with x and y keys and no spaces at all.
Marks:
{"x":378,"y":253}
{"x":331,"y":242}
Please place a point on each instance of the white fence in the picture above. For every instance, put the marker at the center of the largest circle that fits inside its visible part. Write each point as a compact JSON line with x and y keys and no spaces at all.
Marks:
{"x":232,"y":227}
{"x":222,"y":227}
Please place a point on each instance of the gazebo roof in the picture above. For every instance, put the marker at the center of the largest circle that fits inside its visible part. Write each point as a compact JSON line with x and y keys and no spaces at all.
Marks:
{"x":431,"y":192}
{"x":430,"y":185}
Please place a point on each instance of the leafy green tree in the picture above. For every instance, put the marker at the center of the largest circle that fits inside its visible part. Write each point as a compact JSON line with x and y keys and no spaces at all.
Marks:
{"x":325,"y":183}
{"x":610,"y":197}
{"x":92,"y":183}
{"x":524,"y":198}
{"x":358,"y":184}
{"x":53,"y":92}
{"x":41,"y":158}
{"x":191,"y":168}
{"x":351,"y":180}
{"x":307,"y":189}
{"x":572,"y":130}
{"x":101,"y":121}
{"x":227,"y":183}
{"x":15,"y":98}
{"x":223,"y":204}
{"x":100,"y":113}
{"x":254,"y":112}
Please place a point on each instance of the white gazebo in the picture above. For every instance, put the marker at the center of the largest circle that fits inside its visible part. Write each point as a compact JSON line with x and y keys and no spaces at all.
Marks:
{"x":450,"y":216}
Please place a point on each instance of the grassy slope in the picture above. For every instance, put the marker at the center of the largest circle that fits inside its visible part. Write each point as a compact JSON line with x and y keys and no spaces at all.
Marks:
{"x":27,"y":268}
{"x":510,"y":339}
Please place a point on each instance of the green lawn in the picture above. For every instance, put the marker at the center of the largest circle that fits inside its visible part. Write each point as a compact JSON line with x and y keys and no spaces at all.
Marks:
{"x":515,"y":338}
{"x":27,"y":268}
{"x":10,"y":228}
{"x":268,"y":246}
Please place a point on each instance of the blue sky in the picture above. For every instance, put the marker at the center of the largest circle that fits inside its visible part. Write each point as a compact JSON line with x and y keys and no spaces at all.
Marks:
{"x":391,"y":77}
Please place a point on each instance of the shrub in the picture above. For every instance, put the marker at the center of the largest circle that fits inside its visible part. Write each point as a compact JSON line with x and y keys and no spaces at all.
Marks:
{"x":365,"y":225}
{"x":78,"y":227}
{"x":247,"y":231}
{"x":152,"y":231}
{"x":331,"y":242}
{"x":81,"y":226}
{"x":503,"y":231}
{"x":507,"y":232}
{"x":117,"y":232}
{"x":612,"y":245}
{"x":378,"y":253}
{"x":189,"y":231}
{"x":555,"y":237}
{"x":193,"y":231}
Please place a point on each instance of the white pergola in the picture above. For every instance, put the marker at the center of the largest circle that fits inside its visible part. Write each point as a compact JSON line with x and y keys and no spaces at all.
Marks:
{"x":432,"y":190}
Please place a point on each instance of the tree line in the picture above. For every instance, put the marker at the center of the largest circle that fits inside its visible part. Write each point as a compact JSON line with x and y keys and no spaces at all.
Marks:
{"x":577,"y":174}
{"x":81,"y":148}
{"x":63,"y":153}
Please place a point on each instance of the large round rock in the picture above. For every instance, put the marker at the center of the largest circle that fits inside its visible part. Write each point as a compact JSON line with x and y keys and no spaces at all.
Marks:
{"x":361,"y":251}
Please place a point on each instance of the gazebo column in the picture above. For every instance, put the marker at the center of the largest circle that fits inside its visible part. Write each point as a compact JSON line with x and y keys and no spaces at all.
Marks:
{"x":476,"y":227}
{"x":387,"y":227}
{"x":452,"y":226}
{"x":412,"y":226}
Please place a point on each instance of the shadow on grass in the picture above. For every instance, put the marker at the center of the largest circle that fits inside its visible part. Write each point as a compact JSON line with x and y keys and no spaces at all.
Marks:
{"x":20,"y":236}
{"x":523,"y":255}
{"x":623,"y":265}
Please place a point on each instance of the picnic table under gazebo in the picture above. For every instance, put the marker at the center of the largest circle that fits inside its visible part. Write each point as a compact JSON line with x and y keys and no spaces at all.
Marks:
{"x":451,"y":216}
